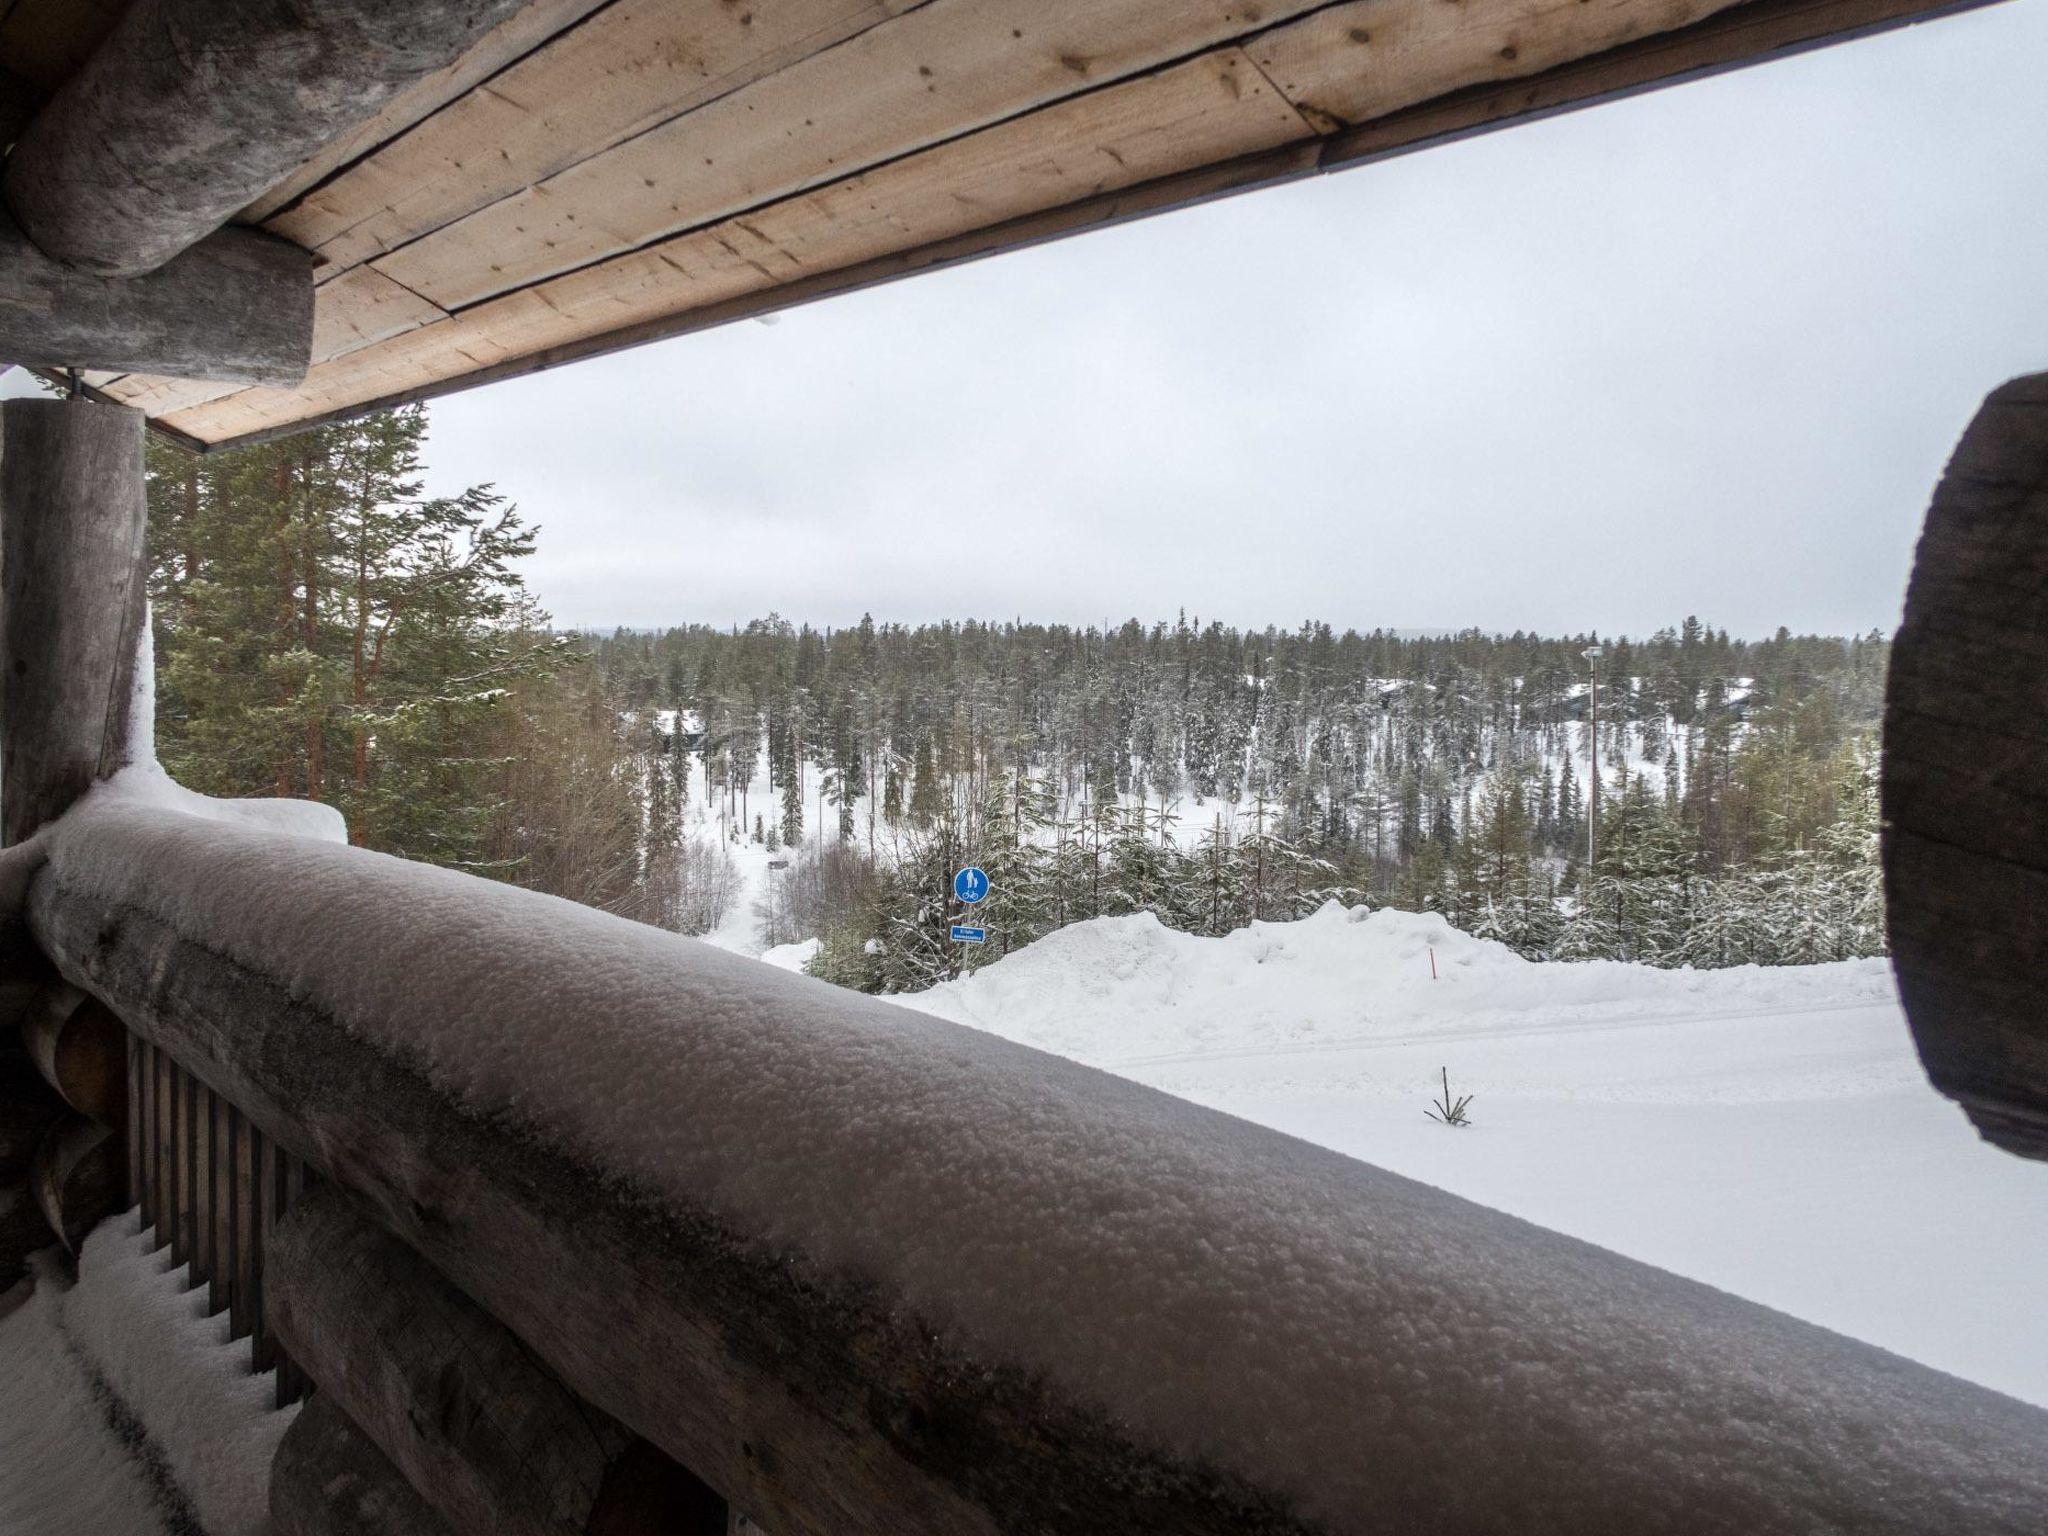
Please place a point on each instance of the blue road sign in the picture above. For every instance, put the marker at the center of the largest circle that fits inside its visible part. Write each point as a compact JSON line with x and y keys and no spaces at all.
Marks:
{"x":971,"y":885}
{"x":962,"y":934}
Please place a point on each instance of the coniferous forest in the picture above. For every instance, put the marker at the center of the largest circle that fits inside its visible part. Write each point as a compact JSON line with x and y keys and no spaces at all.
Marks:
{"x":325,"y":630}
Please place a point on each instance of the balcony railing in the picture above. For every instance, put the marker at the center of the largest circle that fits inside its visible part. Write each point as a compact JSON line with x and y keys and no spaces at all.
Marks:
{"x":602,"y":1225}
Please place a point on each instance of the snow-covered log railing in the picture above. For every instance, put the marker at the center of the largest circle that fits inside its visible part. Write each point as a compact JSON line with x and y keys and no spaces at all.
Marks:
{"x":863,"y":1271}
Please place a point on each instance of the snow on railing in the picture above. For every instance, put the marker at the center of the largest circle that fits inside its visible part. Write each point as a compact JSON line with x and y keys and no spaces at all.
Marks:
{"x":861,"y":1270}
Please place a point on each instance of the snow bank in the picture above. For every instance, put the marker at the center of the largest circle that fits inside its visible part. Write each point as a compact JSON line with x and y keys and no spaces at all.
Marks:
{"x":1123,"y":989}
{"x":124,"y":1409}
{"x":1365,"y":1344}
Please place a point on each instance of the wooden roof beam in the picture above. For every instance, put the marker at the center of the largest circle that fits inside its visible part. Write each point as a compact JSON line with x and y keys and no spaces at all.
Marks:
{"x":191,"y":109}
{"x":237,"y":307}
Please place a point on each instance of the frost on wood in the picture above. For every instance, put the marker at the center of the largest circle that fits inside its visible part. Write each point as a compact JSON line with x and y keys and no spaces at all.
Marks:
{"x":1360,"y":1344}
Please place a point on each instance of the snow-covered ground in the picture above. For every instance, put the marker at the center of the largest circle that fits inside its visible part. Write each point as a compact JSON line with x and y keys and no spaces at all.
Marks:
{"x":124,"y":1410}
{"x":1768,"y":1131}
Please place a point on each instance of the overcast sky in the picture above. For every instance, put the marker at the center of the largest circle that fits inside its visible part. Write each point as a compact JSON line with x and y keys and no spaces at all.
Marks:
{"x":1705,"y":351}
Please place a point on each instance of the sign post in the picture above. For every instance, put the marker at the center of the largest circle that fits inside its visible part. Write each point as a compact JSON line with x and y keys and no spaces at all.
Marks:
{"x":970,"y":889}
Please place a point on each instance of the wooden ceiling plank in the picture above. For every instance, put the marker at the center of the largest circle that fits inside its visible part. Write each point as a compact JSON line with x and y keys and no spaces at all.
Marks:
{"x":155,"y":395}
{"x":1214,"y":107}
{"x":717,"y":275}
{"x":528,"y":29}
{"x":949,"y":68}
{"x":363,"y":307}
{"x":1360,"y":61}
{"x":627,"y":69}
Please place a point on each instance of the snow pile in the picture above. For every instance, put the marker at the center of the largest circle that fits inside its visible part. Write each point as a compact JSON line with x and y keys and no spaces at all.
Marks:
{"x":1366,"y":1344}
{"x":1124,"y":988}
{"x":125,"y":1409}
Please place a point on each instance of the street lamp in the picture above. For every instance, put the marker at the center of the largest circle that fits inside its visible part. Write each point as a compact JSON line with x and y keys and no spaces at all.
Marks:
{"x":1593,"y":653}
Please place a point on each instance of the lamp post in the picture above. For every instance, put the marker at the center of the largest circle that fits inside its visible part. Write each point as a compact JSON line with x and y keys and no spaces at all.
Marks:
{"x":1592,"y":653}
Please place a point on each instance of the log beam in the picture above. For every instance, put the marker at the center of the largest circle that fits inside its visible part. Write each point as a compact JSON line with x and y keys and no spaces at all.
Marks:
{"x":329,"y":1479}
{"x":1966,"y":776}
{"x":487,"y":1434}
{"x":237,"y":307}
{"x":190,"y":109}
{"x":79,"y":1177}
{"x":82,"y":1051}
{"x":72,"y":520}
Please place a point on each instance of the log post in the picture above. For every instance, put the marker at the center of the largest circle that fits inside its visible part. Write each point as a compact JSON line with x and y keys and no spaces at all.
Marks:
{"x":464,"y":1410}
{"x":73,"y":516}
{"x":1966,"y":776}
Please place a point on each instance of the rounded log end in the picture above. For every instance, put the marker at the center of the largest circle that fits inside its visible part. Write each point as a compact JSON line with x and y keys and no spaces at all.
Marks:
{"x":1965,"y":765}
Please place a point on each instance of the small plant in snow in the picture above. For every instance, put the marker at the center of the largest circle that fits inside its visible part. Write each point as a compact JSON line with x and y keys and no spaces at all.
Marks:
{"x":1444,"y":1109}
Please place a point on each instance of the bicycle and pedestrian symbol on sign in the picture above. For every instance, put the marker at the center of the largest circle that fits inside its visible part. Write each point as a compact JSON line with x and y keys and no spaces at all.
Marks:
{"x":970,"y":888}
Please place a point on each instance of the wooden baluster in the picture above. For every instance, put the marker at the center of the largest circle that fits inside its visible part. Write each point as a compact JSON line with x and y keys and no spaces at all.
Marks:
{"x":221,"y":1247}
{"x":289,"y":1184}
{"x":188,"y":1107}
{"x":247,"y":1309}
{"x":263,"y":1198}
{"x":166,"y":1199}
{"x":201,"y":1247}
{"x":136,"y":1133}
{"x":146,"y":1134}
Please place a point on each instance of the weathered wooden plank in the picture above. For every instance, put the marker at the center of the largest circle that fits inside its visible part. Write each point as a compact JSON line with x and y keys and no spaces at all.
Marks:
{"x":1966,"y":776}
{"x":531,"y":338}
{"x":1180,"y":190}
{"x":82,"y":1051}
{"x":1109,"y":140}
{"x":526,"y":29}
{"x":329,"y":1479}
{"x":463,"y":1409}
{"x":948,"y":69}
{"x":236,"y":308}
{"x":191,"y":108}
{"x":626,"y":70}
{"x":77,"y":1177}
{"x":1351,"y":63}
{"x":72,"y":515}
{"x":1730,"y":38}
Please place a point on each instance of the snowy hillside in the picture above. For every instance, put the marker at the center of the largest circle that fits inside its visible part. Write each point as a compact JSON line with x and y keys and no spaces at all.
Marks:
{"x":1765,"y":1130}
